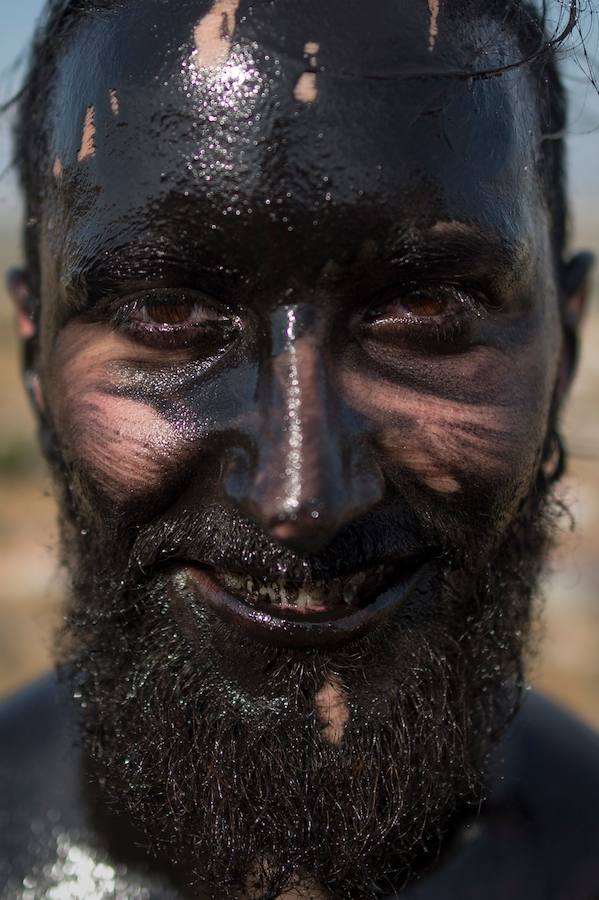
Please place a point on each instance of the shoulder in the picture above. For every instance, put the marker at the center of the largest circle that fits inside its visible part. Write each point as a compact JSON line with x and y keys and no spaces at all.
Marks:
{"x":538,"y":836}
{"x":37,"y":747}
{"x":552,"y":773}
{"x":552,"y":761}
{"x":54,"y":837}
{"x":39,"y":777}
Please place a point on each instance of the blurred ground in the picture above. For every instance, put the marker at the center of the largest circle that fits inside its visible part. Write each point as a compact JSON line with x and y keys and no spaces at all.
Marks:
{"x":31,"y":588}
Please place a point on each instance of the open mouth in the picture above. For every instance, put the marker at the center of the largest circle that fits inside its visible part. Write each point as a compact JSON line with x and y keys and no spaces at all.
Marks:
{"x":308,"y":613}
{"x":333,"y":597}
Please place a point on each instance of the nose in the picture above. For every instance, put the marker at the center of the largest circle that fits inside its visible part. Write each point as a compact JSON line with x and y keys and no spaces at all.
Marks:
{"x":311,"y":474}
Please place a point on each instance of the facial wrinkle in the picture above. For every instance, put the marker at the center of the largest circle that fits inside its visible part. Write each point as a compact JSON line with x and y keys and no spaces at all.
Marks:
{"x":87,"y":148}
{"x":214,"y":32}
{"x":434,"y":7}
{"x":332,"y":710}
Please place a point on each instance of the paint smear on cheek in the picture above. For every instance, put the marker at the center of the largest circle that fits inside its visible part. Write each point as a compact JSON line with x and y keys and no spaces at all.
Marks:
{"x":214,"y":33}
{"x":124,"y":444}
{"x":442,"y":441}
{"x":88,"y":136}
{"x":332,"y":711}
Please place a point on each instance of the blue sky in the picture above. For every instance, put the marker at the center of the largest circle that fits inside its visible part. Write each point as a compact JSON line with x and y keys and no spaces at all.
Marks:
{"x":20,"y":16}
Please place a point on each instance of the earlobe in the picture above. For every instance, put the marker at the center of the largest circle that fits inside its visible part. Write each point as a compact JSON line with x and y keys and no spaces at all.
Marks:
{"x":17,"y":283}
{"x":575,"y":293}
{"x":18,"y":286}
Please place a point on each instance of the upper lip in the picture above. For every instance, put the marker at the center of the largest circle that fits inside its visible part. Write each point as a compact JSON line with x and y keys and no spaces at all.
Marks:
{"x":216,"y":538}
{"x":300,"y":570}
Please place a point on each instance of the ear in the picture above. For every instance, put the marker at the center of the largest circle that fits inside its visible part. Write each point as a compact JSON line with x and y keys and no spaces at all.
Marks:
{"x":575,"y":293}
{"x":19,"y":290}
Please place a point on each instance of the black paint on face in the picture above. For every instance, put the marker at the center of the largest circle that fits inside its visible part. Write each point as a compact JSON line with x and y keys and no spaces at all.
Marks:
{"x":298,"y":325}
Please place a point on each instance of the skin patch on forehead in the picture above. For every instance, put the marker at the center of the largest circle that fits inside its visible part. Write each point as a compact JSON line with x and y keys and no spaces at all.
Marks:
{"x":332,"y":711}
{"x":214,"y":33}
{"x":88,"y":135}
{"x":433,"y":33}
{"x":57,"y":167}
{"x":305,"y":90}
{"x":311,"y":48}
{"x":114,"y":102}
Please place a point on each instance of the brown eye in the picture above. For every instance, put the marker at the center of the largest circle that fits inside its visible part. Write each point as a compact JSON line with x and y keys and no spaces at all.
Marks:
{"x":424,"y":304}
{"x":169,"y":314}
{"x":176,"y":314}
{"x":438,"y":317}
{"x":177,"y":320}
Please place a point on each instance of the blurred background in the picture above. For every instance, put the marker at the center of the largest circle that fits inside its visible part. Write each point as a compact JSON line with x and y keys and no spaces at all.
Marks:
{"x":31,"y":584}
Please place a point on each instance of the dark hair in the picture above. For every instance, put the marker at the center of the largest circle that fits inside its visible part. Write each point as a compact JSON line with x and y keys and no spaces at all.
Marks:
{"x":539,"y":52}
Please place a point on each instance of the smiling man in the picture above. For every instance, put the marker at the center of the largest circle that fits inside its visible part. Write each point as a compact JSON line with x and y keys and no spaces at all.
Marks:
{"x":298,"y":324}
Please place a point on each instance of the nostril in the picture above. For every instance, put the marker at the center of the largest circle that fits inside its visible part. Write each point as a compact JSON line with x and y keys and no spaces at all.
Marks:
{"x":308,"y":528}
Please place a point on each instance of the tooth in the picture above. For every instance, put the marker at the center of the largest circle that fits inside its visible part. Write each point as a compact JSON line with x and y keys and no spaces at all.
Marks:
{"x":303,"y":598}
{"x":233,"y":582}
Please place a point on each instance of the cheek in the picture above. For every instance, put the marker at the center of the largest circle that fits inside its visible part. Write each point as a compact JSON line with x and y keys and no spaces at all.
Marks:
{"x":123,"y":444}
{"x":480,"y":424}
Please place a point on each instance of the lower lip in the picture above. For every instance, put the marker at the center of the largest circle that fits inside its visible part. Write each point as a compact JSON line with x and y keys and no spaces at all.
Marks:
{"x":292,"y":629}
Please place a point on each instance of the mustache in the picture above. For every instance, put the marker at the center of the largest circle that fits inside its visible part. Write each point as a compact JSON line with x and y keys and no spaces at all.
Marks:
{"x":216,"y":536}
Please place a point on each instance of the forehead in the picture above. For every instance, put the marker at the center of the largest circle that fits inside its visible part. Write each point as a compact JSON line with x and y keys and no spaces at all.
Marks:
{"x":285,"y":124}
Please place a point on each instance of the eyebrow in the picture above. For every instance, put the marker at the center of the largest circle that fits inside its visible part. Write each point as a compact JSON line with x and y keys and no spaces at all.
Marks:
{"x":131,"y":267}
{"x":454,"y":250}
{"x":470,"y":250}
{"x":451,"y":251}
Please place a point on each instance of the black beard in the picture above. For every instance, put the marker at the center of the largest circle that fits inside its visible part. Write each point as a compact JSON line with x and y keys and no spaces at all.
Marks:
{"x":213,"y":747}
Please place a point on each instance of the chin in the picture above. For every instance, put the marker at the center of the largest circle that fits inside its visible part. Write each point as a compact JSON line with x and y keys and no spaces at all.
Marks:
{"x":204,"y":710}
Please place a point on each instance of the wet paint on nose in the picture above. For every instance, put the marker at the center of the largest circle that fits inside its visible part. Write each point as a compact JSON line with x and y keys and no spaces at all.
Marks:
{"x":294,"y":328}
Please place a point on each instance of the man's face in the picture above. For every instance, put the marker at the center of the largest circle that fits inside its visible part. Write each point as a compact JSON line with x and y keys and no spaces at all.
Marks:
{"x":298,"y":354}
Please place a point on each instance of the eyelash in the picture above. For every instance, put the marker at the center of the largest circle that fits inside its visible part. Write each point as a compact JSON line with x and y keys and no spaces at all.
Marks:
{"x":389,"y":320}
{"x":134,"y":319}
{"x":448,"y":330}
